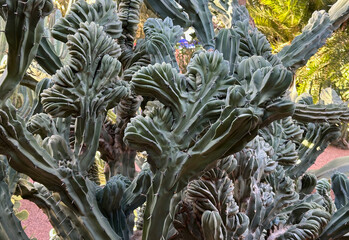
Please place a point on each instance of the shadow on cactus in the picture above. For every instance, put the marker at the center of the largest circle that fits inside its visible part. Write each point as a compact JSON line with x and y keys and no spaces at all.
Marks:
{"x":224,"y":158}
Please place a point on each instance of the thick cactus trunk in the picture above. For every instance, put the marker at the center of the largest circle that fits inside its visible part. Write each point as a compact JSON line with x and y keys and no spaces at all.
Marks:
{"x":157,"y":208}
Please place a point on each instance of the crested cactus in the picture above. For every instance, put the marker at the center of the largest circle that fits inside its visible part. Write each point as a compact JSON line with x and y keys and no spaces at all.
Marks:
{"x":169,"y":140}
{"x":169,"y":8}
{"x":119,"y":197}
{"x":47,"y":58}
{"x":224,"y":158}
{"x":101,"y":12}
{"x":173,"y":118}
{"x":316,"y":139}
{"x":282,"y":136}
{"x":119,"y":157}
{"x":211,"y":197}
{"x":337,"y":226}
{"x":86,"y":101}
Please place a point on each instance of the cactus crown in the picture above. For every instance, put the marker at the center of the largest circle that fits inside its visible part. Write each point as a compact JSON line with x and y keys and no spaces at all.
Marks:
{"x":227,"y":151}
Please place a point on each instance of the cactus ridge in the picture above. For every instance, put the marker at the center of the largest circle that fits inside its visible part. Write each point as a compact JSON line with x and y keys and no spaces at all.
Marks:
{"x":224,"y":158}
{"x":102,"y":12}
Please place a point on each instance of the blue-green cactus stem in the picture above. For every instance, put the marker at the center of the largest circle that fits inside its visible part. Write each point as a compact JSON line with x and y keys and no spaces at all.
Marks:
{"x":337,"y":227}
{"x":340,"y":187}
{"x":119,"y":157}
{"x":128,"y":12}
{"x":158,"y":202}
{"x":201,"y":19}
{"x":81,"y":201}
{"x":320,"y":26}
{"x":169,"y":8}
{"x":54,"y":210}
{"x":101,"y":12}
{"x":119,"y":197}
{"x":202,"y":117}
{"x":188,"y":13}
{"x":317,"y":138}
{"x":47,"y":58}
{"x":10,"y":226}
{"x":24,"y":28}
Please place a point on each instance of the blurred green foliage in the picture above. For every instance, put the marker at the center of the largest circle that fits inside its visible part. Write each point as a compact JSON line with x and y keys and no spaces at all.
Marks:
{"x":282,"y":20}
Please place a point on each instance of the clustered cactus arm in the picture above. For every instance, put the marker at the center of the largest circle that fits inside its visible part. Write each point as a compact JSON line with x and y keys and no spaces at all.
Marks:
{"x":102,"y":12}
{"x":160,"y":39}
{"x":132,"y":57}
{"x":169,"y":8}
{"x":119,"y":156}
{"x":28,"y":16}
{"x":188,"y":13}
{"x":215,"y":113}
{"x":211,"y":197}
{"x":44,"y":166}
{"x":316,"y":139}
{"x":340,"y":186}
{"x":314,"y":35}
{"x":329,"y":109}
{"x":201,"y":20}
{"x":313,"y":222}
{"x":337,"y":226}
{"x":120,"y":197}
{"x":321,"y":113}
{"x":228,"y":43}
{"x":209,"y":113}
{"x":128,"y":12}
{"x":267,"y":199}
{"x":84,"y":89}
{"x":323,"y":187}
{"x":25,"y":154}
{"x":90,"y":91}
{"x":51,"y":52}
{"x":252,"y":163}
{"x":283,"y":135}
{"x":322,"y":124}
{"x":47,"y":58}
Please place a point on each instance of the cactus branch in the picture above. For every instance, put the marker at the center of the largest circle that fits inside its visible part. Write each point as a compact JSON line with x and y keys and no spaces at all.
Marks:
{"x":10,"y":226}
{"x":320,"y":26}
{"x":28,"y":17}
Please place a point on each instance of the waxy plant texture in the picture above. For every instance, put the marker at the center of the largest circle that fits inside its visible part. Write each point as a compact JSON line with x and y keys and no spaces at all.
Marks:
{"x":223,"y":151}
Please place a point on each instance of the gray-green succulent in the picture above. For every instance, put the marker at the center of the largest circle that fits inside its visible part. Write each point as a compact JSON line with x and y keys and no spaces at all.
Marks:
{"x":227,"y":150}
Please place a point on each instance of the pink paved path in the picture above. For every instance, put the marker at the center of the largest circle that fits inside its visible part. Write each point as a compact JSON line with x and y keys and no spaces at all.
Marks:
{"x":329,"y":154}
{"x":37,"y":225}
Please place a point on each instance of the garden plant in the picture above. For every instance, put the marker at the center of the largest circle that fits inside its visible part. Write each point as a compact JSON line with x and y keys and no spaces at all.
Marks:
{"x":223,"y":151}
